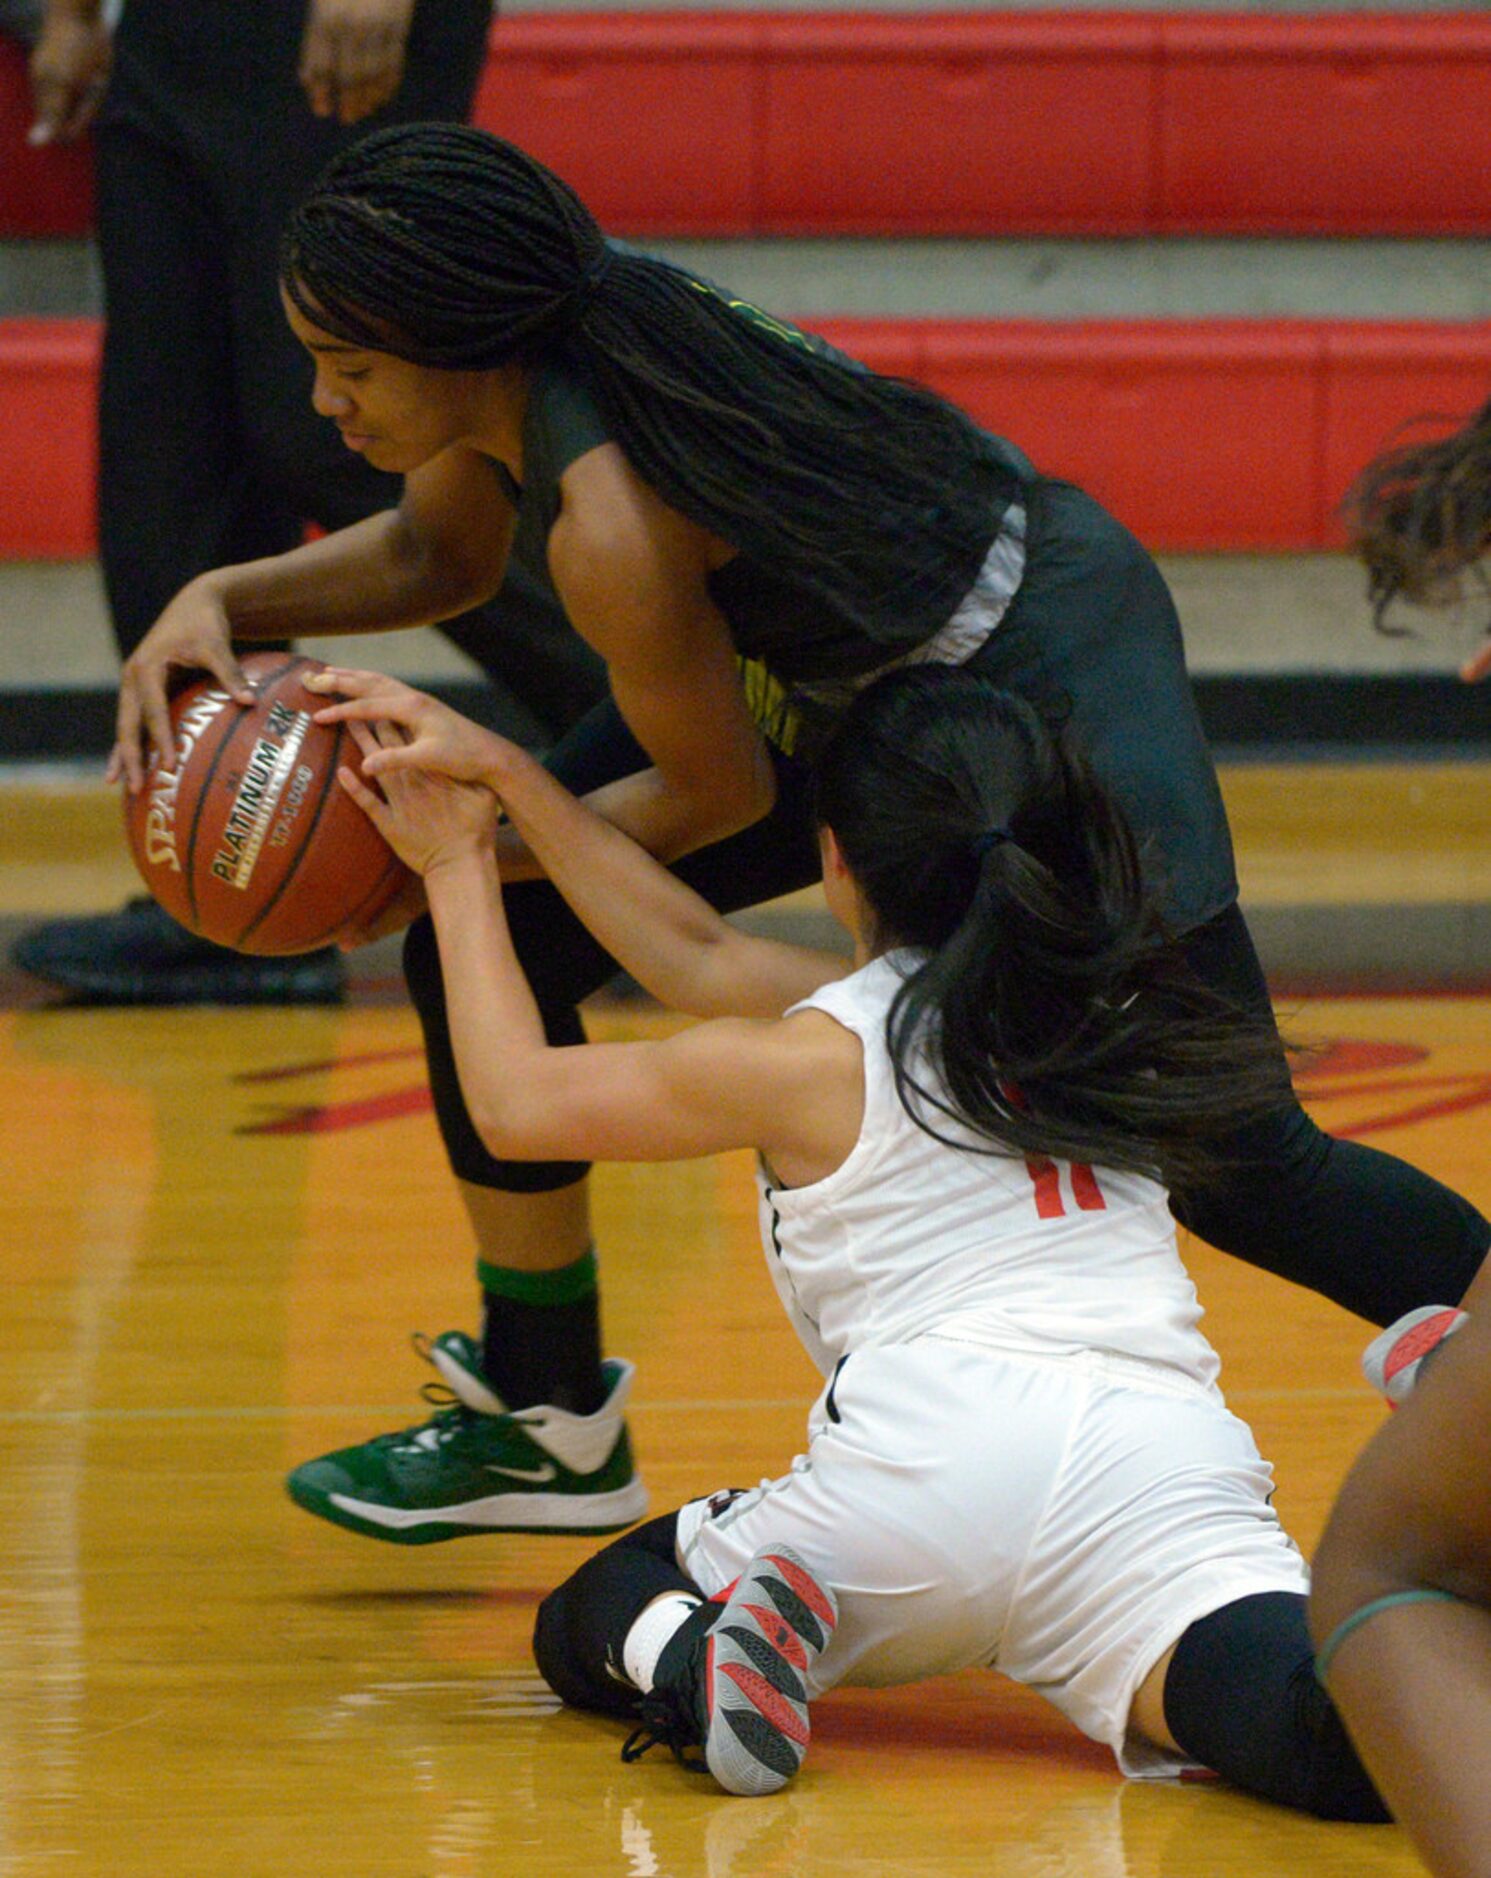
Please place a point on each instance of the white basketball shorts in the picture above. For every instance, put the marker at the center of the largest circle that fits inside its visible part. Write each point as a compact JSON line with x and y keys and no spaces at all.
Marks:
{"x":1061,"y":1519}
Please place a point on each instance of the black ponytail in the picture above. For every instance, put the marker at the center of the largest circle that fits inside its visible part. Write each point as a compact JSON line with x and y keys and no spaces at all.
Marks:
{"x":1420,"y":516}
{"x":1047,"y":1013}
{"x":450,"y":248}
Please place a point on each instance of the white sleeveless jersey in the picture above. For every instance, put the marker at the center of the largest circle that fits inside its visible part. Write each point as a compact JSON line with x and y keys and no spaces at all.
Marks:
{"x":910,"y":1237}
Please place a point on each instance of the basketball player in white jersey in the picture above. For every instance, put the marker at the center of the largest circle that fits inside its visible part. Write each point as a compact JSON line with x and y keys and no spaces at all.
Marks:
{"x":1020,"y":1458}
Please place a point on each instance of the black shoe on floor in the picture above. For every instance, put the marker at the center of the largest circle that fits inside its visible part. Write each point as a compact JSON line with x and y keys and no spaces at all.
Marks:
{"x":730,"y":1693}
{"x":140,"y":955}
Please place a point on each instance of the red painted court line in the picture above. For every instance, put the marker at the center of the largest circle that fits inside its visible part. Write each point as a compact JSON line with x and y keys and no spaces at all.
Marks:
{"x":337,"y":1117}
{"x":323,"y":1066}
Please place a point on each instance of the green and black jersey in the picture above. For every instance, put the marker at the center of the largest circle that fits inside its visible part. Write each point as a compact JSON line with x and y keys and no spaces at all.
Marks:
{"x":791,"y":640}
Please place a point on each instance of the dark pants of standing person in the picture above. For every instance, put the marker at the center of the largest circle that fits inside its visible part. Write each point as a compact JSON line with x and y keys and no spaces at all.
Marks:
{"x":1091,"y":639}
{"x":209,"y":450}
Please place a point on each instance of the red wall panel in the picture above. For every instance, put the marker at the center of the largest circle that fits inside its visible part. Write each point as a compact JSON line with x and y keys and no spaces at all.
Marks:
{"x":653,"y":119}
{"x":1323,"y":125}
{"x":958,"y":124}
{"x":1200,"y":435}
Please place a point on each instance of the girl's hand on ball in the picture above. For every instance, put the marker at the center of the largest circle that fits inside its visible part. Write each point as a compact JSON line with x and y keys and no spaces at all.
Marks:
{"x":190,"y":636}
{"x":435,"y":738}
{"x":429,"y":819}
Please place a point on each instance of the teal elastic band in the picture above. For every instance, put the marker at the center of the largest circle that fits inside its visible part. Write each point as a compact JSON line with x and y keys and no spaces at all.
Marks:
{"x":566,"y":1285}
{"x":1343,"y":1630}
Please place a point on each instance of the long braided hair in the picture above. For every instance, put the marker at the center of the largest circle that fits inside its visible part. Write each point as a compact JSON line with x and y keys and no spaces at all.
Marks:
{"x":450,"y":248}
{"x":1421,"y":515}
{"x":1047,"y":1013}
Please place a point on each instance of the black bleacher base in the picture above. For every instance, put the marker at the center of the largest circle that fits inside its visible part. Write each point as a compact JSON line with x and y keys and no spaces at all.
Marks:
{"x":1258,"y":716}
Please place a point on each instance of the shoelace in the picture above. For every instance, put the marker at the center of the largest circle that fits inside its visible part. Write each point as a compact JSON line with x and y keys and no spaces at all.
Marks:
{"x":442,"y":1397}
{"x":664,"y":1724}
{"x":451,"y":1414}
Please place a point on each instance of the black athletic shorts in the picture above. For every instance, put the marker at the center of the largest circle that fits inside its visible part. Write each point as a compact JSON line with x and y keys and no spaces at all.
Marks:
{"x":1092,"y":640}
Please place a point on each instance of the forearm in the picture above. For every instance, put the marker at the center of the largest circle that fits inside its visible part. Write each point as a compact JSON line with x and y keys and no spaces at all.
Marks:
{"x":670,"y":820}
{"x":670,"y":940}
{"x":661,"y":824}
{"x":495,"y":1025}
{"x":371,"y":577}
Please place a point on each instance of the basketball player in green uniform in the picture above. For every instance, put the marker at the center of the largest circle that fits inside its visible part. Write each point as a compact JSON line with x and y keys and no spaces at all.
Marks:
{"x":746,"y":526}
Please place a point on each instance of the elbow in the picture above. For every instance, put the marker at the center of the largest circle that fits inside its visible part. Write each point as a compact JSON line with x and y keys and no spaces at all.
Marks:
{"x":501,"y":1112}
{"x":745,"y":800}
{"x":452,"y":577}
{"x":501,"y":1131}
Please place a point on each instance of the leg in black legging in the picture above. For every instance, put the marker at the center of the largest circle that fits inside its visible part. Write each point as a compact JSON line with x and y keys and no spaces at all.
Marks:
{"x":1363,"y":1228}
{"x":1092,"y":640}
{"x":1241,"y":1698}
{"x":582,"y":1626}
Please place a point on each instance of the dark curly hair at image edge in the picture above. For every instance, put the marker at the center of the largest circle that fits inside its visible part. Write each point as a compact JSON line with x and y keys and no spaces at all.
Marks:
{"x":1420,"y":517}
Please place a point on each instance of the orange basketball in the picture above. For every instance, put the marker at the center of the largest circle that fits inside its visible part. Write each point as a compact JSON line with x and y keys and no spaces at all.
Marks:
{"x":250,"y":840}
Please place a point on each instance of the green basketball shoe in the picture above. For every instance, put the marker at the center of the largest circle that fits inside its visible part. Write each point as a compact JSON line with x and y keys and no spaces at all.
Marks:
{"x":475,"y":1466}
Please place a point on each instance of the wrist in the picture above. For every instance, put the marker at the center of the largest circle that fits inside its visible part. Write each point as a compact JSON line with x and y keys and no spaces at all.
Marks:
{"x":211,"y":586}
{"x":229,"y":593}
{"x":508,"y":767}
{"x":457,"y":866}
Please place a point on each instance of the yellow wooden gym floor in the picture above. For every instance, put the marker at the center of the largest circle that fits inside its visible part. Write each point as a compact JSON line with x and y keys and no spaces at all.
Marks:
{"x":219,"y":1229}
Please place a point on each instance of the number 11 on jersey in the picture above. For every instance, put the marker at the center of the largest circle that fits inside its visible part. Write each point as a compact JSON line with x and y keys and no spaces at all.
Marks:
{"x":1050,"y":1201}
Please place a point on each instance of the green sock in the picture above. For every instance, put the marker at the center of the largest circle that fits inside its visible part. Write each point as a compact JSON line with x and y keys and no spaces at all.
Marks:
{"x":541,"y":1335}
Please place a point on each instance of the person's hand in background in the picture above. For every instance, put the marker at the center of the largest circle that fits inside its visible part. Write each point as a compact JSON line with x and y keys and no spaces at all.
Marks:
{"x":352,"y":56}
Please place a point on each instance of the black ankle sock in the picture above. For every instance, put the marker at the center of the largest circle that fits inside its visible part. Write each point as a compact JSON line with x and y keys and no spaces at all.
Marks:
{"x":538,"y":1353}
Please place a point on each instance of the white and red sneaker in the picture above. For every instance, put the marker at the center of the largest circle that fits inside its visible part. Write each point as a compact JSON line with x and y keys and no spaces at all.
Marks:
{"x":732,"y":1679}
{"x":1394,"y":1361}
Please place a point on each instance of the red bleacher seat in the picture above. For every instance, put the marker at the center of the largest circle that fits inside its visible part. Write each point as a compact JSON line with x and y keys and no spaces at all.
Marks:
{"x":1200,"y":434}
{"x":1005,"y":122}
{"x":993,"y":123}
{"x":48,"y":392}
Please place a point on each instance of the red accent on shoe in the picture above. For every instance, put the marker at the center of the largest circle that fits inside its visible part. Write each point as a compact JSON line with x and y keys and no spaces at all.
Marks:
{"x":1417,"y":1342}
{"x":783,"y":1715}
{"x":806,"y":1588}
{"x":780,"y":1635}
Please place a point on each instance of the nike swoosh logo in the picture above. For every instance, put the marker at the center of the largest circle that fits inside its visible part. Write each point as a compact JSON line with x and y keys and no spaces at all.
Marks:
{"x":540,"y":1474}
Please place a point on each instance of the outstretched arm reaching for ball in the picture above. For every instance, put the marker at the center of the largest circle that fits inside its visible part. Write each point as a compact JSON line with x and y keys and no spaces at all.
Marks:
{"x":793,"y":1088}
{"x":671,"y":941}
